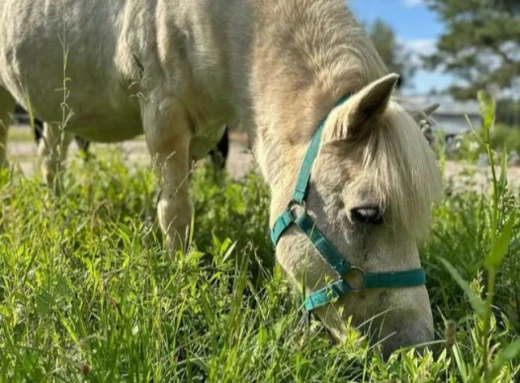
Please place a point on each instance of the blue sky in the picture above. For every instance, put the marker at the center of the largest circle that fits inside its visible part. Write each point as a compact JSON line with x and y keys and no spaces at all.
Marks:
{"x":415,"y":26}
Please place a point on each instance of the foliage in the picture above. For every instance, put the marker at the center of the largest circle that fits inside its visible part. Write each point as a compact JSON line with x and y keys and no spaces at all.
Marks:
{"x":490,"y":226}
{"x":479,"y":45}
{"x":470,"y":146}
{"x":508,"y":111}
{"x":506,"y":137}
{"x":87,"y":293}
{"x":393,"y":53}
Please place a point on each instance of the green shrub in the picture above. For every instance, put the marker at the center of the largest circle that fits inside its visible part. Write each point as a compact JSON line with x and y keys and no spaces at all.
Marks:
{"x":506,"y":137}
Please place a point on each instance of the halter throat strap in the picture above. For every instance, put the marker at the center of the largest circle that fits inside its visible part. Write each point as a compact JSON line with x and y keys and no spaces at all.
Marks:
{"x":296,"y":214}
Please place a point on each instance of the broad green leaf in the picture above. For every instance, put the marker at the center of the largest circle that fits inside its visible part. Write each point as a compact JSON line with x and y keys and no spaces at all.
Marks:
{"x":501,"y":244}
{"x":510,"y":352}
{"x":476,"y":302}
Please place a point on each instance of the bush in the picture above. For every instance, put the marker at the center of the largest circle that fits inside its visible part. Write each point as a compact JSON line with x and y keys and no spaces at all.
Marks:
{"x":506,"y":137}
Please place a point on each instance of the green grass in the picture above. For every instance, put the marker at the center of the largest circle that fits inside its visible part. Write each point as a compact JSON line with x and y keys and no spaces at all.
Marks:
{"x":20,"y":134}
{"x":87,"y":293}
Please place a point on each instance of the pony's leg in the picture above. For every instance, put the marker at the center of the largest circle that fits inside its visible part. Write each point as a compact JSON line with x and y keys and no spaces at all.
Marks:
{"x":7,"y":104}
{"x":83,"y":145}
{"x":168,"y":136}
{"x":52,"y":151}
{"x":38,"y":130}
{"x":219,"y":154}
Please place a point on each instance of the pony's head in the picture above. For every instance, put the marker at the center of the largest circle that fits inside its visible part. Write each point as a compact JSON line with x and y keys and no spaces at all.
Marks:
{"x":370,"y":193}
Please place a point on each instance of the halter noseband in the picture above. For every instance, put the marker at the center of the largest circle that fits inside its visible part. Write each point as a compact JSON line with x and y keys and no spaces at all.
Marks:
{"x":327,"y":251}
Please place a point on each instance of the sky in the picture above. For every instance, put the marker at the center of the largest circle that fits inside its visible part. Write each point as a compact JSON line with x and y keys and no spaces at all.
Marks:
{"x":415,"y":26}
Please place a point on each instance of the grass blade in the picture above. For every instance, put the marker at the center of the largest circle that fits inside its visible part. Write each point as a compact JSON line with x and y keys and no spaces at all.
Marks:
{"x":506,"y":355}
{"x":476,"y":302}
{"x":501,"y":245}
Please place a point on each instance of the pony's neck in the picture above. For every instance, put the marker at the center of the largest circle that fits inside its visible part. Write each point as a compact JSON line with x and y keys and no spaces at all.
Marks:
{"x":307,"y":54}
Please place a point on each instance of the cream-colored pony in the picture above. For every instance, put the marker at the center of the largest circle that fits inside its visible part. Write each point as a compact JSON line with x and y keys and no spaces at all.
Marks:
{"x":178,"y":70}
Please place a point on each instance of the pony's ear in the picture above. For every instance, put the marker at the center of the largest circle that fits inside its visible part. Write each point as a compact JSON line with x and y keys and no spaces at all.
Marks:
{"x":371,"y":102}
{"x":430,"y":109}
{"x":422,"y":118}
{"x":424,"y":115}
{"x":364,"y":110}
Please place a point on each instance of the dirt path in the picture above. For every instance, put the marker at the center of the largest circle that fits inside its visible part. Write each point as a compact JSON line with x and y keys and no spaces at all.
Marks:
{"x":22,"y":153}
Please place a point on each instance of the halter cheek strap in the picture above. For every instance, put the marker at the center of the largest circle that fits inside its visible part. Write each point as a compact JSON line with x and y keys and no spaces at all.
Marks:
{"x":296,"y":214}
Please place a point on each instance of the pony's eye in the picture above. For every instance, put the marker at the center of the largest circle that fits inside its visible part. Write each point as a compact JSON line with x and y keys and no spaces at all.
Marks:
{"x":367,"y":215}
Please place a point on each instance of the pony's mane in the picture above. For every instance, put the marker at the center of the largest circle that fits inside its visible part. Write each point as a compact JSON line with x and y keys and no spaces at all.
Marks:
{"x":318,"y":51}
{"x":403,"y":171}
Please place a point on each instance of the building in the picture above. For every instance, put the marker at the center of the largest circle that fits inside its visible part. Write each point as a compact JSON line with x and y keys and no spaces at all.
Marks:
{"x":452,"y":116}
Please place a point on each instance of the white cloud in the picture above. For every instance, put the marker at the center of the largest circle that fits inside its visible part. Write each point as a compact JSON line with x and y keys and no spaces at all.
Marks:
{"x":425,"y":79}
{"x":412,"y":3}
{"x":419,"y":47}
{"x":424,"y":46}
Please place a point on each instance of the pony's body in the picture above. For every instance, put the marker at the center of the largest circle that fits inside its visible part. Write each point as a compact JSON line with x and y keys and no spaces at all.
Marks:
{"x":218,"y":155}
{"x":113,"y":57}
{"x":178,"y":70}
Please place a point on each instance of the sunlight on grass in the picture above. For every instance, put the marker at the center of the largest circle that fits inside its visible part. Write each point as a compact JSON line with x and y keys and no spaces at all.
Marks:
{"x":20,"y":133}
{"x":88,"y":294}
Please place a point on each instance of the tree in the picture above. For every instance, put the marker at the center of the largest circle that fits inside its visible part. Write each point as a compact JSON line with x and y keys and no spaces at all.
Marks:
{"x":480,"y":46}
{"x":508,"y":111}
{"x":392,"y":52}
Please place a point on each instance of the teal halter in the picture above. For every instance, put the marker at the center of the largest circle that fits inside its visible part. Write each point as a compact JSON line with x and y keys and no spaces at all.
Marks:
{"x":327,"y":251}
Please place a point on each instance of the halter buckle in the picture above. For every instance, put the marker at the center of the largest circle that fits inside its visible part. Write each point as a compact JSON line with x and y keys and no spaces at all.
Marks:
{"x":295,"y":206}
{"x":355,"y":279}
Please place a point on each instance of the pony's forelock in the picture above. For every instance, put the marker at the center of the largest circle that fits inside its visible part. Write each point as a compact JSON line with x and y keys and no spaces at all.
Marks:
{"x":402,"y":171}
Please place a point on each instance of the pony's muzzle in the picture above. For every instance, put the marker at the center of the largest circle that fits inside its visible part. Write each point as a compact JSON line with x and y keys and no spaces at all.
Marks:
{"x":417,"y":335}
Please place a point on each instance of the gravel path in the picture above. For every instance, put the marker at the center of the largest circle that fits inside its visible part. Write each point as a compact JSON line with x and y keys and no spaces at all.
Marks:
{"x":23,"y":154}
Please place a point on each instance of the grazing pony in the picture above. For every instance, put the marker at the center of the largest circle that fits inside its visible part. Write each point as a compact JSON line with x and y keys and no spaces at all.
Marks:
{"x":351,"y":177}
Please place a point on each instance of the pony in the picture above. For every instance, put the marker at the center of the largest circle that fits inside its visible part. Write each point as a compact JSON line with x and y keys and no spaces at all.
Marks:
{"x":177,"y":70}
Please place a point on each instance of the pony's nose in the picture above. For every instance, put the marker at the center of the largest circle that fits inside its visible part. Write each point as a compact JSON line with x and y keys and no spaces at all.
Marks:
{"x":417,"y":335}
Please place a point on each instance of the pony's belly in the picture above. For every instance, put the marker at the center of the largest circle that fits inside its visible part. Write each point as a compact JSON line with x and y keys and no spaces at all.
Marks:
{"x":106,"y":130}
{"x":206,"y":140}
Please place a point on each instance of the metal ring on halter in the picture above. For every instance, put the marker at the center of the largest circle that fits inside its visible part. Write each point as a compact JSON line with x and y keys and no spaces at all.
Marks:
{"x":361,"y":273}
{"x":293,"y":205}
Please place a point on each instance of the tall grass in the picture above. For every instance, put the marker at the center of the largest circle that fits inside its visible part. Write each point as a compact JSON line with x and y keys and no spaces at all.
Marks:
{"x":494,"y":226}
{"x":87,"y":293}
